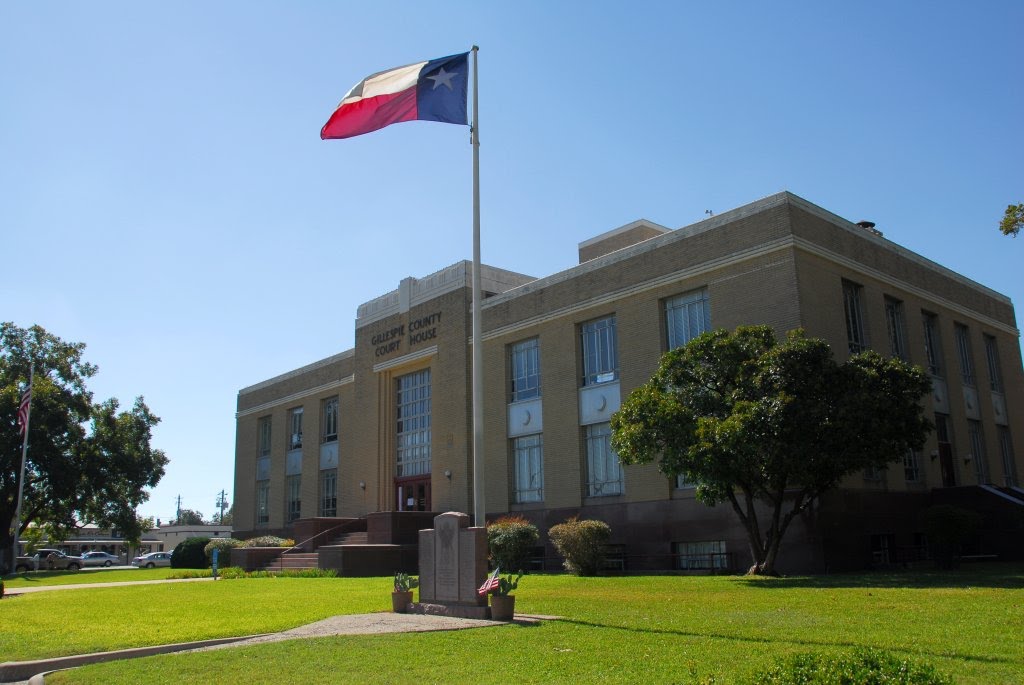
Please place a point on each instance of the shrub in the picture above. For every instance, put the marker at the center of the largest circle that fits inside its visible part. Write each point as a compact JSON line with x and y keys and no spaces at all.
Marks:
{"x":189,"y":554}
{"x":510,"y":540}
{"x":948,"y":528}
{"x":268,"y":541}
{"x":860,"y":666}
{"x":225,"y":545}
{"x":581,"y":544}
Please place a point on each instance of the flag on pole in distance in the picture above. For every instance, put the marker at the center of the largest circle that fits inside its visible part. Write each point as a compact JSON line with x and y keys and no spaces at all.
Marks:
{"x":492,"y":583}
{"x":434,"y":90}
{"x":26,"y":401}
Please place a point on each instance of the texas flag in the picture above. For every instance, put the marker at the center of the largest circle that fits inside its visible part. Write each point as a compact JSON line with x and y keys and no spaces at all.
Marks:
{"x":429,"y":91}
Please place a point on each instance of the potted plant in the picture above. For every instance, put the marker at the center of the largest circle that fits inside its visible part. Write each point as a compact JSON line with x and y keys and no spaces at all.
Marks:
{"x":401,"y":597}
{"x":503,"y":604}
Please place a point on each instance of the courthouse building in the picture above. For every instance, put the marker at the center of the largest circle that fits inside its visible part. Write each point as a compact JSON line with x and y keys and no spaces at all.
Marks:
{"x":387,"y":425}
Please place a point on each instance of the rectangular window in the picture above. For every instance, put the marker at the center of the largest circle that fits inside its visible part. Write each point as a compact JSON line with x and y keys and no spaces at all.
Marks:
{"x":912,"y":466}
{"x":412,"y":404}
{"x":329,"y":492}
{"x":963,"y":351}
{"x":600,"y":351}
{"x":1006,"y":452}
{"x":874,"y":475}
{"x":995,"y":374}
{"x":682,"y":483}
{"x":295,"y":423}
{"x":264,"y":436}
{"x":604,"y":472}
{"x":293,"y":487}
{"x":330,"y":420}
{"x":524,"y":363}
{"x":856,"y":339}
{"x":977,"y":438}
{"x":687,"y":316}
{"x":262,"y":502}
{"x":932,"y":344}
{"x":528,"y":462}
{"x":895,"y":327}
{"x":708,"y":555}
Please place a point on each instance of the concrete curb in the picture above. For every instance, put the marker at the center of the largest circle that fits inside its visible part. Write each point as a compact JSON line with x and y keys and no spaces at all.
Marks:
{"x":14,"y":671}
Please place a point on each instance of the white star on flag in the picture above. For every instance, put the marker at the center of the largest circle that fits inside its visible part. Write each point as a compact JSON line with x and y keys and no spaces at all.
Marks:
{"x":443,"y":78}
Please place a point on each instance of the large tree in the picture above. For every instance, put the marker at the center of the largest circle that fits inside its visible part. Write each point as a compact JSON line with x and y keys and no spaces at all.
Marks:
{"x":765,"y":424}
{"x":87,"y":462}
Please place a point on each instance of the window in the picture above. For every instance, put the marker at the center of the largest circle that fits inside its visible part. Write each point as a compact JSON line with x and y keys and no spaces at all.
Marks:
{"x":856,"y":339}
{"x":682,"y":483}
{"x":977,"y":439}
{"x":912,"y":466}
{"x":874,"y":474}
{"x":293,"y":486}
{"x":895,"y":328}
{"x":528,"y":463}
{"x":263,"y":429}
{"x":330,"y":420}
{"x":702,"y":556}
{"x":687,"y":316}
{"x":413,"y":426}
{"x":604,"y":472}
{"x":995,"y":375}
{"x":600,"y":351}
{"x":1006,"y":452}
{"x":295,"y":422}
{"x":262,"y":502}
{"x":329,"y":492}
{"x":963,"y":350}
{"x":932,"y":344}
{"x":524,"y":363}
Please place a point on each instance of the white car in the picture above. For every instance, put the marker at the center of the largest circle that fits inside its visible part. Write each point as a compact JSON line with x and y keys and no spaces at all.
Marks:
{"x":152,"y":560}
{"x":100,"y":559}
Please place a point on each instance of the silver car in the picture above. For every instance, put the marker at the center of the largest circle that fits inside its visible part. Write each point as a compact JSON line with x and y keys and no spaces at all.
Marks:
{"x":100,"y":559}
{"x":152,"y":560}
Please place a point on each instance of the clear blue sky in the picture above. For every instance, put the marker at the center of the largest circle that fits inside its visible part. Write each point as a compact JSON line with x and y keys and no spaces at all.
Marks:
{"x":165,"y":197}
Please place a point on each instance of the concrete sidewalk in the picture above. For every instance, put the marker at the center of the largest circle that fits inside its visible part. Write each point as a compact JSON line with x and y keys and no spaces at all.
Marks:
{"x":85,"y":586}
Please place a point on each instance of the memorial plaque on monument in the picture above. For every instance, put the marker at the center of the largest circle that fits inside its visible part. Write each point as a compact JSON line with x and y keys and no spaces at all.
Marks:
{"x":446,"y":555}
{"x":427,"y":592}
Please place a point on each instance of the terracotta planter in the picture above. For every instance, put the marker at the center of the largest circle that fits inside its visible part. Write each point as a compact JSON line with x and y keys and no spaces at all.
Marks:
{"x":400,"y":601}
{"x":503,"y":607}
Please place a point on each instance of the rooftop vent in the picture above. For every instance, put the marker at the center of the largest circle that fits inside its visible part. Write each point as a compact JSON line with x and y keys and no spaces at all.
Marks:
{"x":869,"y":226}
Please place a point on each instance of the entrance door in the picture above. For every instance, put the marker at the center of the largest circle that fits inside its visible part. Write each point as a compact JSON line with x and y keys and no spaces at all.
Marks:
{"x":412,"y":494}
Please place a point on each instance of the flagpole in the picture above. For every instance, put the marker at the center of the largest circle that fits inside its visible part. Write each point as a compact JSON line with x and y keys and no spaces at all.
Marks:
{"x":21,"y":478}
{"x":479,"y":508}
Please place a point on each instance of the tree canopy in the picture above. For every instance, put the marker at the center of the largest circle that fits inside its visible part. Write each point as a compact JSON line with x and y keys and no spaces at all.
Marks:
{"x":188,"y":517}
{"x":758,"y":423}
{"x":1013,"y":220}
{"x":88,"y":462}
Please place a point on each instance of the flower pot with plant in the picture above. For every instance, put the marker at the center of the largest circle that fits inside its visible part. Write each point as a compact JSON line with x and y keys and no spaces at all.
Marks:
{"x":401,"y":597}
{"x":503,"y":603}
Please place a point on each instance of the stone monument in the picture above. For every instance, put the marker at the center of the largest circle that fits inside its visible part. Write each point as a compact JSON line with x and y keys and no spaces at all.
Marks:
{"x":453,"y":564}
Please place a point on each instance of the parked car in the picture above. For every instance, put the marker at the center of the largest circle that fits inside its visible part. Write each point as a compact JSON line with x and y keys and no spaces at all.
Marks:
{"x":48,"y":560}
{"x":152,"y":560}
{"x":100,"y":559}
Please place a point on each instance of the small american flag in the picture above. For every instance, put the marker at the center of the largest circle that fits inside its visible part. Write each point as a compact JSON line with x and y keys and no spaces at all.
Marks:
{"x":492,"y":583}
{"x":26,"y":402}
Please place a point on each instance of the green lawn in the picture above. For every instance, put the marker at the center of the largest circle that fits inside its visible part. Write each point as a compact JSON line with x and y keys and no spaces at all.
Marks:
{"x":620,"y":629}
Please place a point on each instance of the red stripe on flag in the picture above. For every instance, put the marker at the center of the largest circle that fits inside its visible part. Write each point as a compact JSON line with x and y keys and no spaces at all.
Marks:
{"x":370,"y":114}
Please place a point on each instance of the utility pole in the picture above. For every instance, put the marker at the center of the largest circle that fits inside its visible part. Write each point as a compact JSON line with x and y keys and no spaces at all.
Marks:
{"x":177,"y":516}
{"x":222,"y":502}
